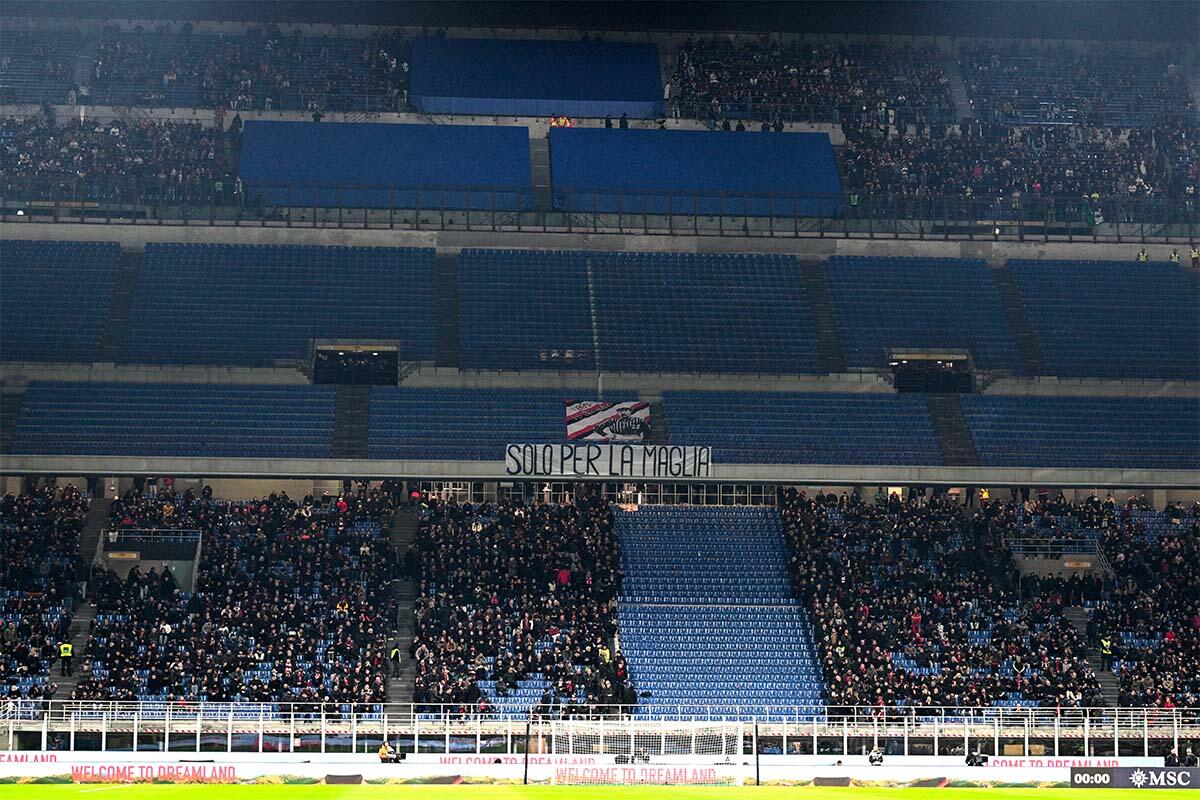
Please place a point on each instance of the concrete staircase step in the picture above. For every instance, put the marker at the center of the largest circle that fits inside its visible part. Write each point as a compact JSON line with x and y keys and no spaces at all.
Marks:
{"x":446,"y":310}
{"x":1028,"y":345}
{"x":120,"y":306}
{"x":829,"y":346}
{"x":954,"y":437}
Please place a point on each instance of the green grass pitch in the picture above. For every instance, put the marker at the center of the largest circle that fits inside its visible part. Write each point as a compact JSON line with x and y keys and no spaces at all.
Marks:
{"x":442,"y":792}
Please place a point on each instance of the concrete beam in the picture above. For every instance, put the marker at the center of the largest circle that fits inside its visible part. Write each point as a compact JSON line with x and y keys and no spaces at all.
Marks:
{"x":800,"y":474}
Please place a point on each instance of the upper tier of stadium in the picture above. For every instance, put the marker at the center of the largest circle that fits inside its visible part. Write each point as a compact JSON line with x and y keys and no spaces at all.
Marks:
{"x":631,"y":312}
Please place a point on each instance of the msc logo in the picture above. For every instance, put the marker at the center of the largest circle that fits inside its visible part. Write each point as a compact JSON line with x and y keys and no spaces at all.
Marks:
{"x":1161,"y":779}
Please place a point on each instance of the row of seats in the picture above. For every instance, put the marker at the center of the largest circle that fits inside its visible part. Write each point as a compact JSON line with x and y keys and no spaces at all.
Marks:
{"x":706,"y":611}
{"x":280,"y":421}
{"x":55,"y":298}
{"x":185,"y":420}
{"x":276,"y":301}
{"x":614,"y":311}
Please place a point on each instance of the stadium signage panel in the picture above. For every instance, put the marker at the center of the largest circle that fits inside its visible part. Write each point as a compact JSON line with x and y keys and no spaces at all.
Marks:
{"x":1136,"y":778}
{"x":607,"y":461}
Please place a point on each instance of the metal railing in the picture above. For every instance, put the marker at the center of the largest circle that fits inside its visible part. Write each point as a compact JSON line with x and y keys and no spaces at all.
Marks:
{"x":1054,"y":547}
{"x":315,"y":727}
{"x":121,"y":200}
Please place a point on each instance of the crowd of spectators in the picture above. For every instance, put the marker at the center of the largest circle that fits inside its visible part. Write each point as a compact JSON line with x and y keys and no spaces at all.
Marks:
{"x":1013,"y":165}
{"x":40,"y":572}
{"x":1152,"y":617}
{"x":716,"y":78}
{"x":916,"y":603}
{"x":292,"y":603}
{"x":510,"y":590}
{"x":90,"y":160}
{"x":262,"y":69}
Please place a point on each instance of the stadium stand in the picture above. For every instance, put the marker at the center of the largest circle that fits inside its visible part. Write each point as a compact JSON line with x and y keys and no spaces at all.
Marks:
{"x":683,"y":312}
{"x":693,"y":172}
{"x":273,"y":301}
{"x":1113,"y":319}
{"x":1014,"y":167}
{"x":654,"y":312}
{"x":536,"y":78}
{"x":796,"y":428}
{"x":183,"y":420}
{"x":924,"y":303}
{"x":524,"y":309}
{"x":37,"y":67}
{"x":380,"y":165}
{"x":463,"y":424}
{"x":807,"y":81}
{"x":146,"y":160}
{"x":55,"y":298}
{"x":289,"y":606}
{"x":913,"y":604}
{"x":707,"y":619}
{"x":1152,"y":616}
{"x":1019,"y":85}
{"x":262,"y":70}
{"x":516,"y":609}
{"x":1116,"y":432}
{"x":39,"y":543}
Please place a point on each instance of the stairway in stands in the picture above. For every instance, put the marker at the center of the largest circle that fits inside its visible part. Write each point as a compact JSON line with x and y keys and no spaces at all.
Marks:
{"x":446,"y":305}
{"x":958,"y":90}
{"x":403,"y":532}
{"x":829,"y":347}
{"x":351,"y":421}
{"x":707,"y":616}
{"x":10,"y":409}
{"x":539,"y":169}
{"x":659,"y":433}
{"x":1110,"y":684}
{"x":954,"y":437}
{"x":81,"y":621}
{"x":117,"y":322}
{"x":1028,"y":346}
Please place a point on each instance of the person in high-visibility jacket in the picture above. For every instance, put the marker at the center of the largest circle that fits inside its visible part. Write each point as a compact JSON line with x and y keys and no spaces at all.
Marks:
{"x":1106,"y":654}
{"x":65,"y":652}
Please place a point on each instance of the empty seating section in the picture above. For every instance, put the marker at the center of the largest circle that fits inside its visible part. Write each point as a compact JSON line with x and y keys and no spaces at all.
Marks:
{"x":693,"y":172}
{"x":54,"y":298}
{"x":37,"y":67}
{"x":259,"y":70}
{"x":381,"y":165}
{"x":529,"y":77}
{"x":684,"y":312}
{"x":707,"y":616}
{"x":463,"y":424}
{"x":254,"y":305}
{"x":654,"y":312}
{"x":524,"y":309}
{"x":923,"y":303}
{"x":183,"y":420}
{"x":1113,"y":319}
{"x":1110,"y":88}
{"x":1116,"y":432}
{"x":796,"y":428}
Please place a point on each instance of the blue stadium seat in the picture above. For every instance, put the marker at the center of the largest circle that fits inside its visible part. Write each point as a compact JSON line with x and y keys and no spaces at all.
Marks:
{"x":1113,"y":319}
{"x":183,"y":420}
{"x":923,"y":303}
{"x":795,"y":428}
{"x":54,"y":298}
{"x":1114,"y":432}
{"x":252,"y":305}
{"x":707,"y":616}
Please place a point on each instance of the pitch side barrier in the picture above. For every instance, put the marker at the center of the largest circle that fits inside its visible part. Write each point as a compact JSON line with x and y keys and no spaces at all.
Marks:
{"x":280,"y":728}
